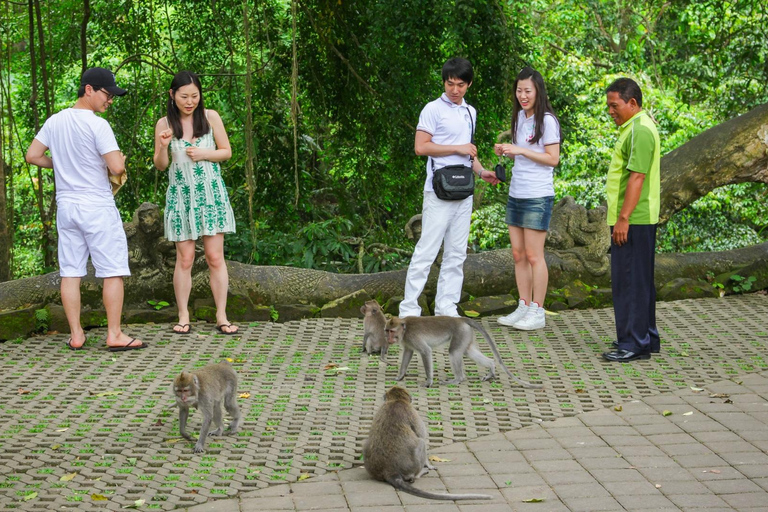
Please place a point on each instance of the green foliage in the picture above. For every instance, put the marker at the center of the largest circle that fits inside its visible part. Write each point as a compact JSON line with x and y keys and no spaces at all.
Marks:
{"x":726,"y":211}
{"x":742,"y":284}
{"x":158,"y":304}
{"x":489,"y":229}
{"x":365,"y":70}
{"x":42,"y":320}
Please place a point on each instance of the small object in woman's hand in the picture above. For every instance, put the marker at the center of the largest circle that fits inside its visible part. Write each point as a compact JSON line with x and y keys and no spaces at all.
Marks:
{"x":501,"y":172}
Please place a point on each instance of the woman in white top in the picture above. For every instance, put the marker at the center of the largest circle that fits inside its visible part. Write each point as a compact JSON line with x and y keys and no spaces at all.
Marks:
{"x":536,"y":150}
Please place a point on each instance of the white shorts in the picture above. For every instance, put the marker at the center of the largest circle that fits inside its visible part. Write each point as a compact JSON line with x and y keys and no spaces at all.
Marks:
{"x":91,"y":230}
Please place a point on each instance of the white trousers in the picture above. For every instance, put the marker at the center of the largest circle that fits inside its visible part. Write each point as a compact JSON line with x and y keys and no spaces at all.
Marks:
{"x":441,"y":221}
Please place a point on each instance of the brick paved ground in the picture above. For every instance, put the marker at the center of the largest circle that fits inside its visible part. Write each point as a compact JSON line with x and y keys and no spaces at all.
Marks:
{"x":101,"y":419}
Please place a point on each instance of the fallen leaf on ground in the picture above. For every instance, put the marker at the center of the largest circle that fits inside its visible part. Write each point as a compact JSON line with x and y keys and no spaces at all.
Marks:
{"x":158,"y":423}
{"x":304,"y":476}
{"x":329,"y":366}
{"x":551,"y":312}
{"x":719,"y":395}
{"x":534,"y":500}
{"x":62,"y":429}
{"x":106,"y":393}
{"x":136,"y":504}
{"x":30,"y":496}
{"x":715,"y":471}
{"x":435,"y":458}
{"x":67,"y":477}
{"x":471,"y":314}
{"x":229,"y":359}
{"x":98,"y":497}
{"x":579,"y":390}
{"x":176,"y":440}
{"x":244,"y":395}
{"x":689,"y":413}
{"x":658,"y":486}
{"x":666,"y":413}
{"x":55,"y":447}
{"x":696,"y":390}
{"x":23,"y":391}
{"x":618,"y":408}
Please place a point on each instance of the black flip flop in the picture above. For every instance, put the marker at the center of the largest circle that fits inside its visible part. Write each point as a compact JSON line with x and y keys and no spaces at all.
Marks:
{"x":71,"y":347}
{"x":228,"y":333}
{"x":188,"y":328}
{"x":129,"y":346}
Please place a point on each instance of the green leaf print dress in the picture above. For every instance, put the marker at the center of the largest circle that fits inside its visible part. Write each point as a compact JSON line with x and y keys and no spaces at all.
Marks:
{"x":196,"y":203}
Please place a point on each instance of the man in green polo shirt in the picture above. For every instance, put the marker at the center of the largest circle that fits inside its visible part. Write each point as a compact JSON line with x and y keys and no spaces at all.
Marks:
{"x":632,"y":189}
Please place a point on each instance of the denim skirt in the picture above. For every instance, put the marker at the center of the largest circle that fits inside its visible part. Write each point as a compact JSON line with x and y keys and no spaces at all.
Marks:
{"x":532,"y":213}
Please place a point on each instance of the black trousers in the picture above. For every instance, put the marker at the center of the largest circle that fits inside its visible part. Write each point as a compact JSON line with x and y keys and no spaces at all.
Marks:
{"x":634,"y":292}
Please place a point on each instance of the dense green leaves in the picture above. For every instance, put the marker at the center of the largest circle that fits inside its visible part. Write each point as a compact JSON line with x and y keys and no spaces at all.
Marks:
{"x":365,"y":70}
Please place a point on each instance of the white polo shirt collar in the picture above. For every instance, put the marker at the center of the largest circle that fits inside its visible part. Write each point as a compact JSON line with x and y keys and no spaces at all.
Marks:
{"x":447,"y":100}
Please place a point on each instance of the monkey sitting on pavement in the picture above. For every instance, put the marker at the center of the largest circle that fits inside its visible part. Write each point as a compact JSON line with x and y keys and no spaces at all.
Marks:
{"x":205,"y":390}
{"x":396,"y":448}
{"x":424,"y":333}
{"x":374,"y":338}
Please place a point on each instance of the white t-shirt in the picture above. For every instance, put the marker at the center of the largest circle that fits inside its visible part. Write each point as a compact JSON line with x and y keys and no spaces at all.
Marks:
{"x":449,"y":124}
{"x":76,"y":139}
{"x":531,"y":179}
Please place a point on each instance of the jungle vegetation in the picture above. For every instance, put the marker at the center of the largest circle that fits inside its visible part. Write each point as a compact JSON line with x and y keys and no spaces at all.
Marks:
{"x":321,"y":98}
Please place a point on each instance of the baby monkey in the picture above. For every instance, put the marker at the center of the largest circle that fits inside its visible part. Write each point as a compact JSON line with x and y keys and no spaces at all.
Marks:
{"x":205,"y":390}
{"x":396,"y":448}
{"x":374,"y":338}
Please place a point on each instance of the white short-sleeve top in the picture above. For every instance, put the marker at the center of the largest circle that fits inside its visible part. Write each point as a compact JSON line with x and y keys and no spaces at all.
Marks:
{"x":449,"y":124}
{"x":77,"y":139}
{"x":531,"y":179}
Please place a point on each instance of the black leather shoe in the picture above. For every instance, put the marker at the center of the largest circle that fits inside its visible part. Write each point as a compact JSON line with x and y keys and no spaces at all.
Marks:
{"x":624,"y":356}
{"x":615,"y":346}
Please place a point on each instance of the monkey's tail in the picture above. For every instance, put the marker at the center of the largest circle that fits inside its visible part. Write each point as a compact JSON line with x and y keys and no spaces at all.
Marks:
{"x":401,"y":485}
{"x":495,"y":351}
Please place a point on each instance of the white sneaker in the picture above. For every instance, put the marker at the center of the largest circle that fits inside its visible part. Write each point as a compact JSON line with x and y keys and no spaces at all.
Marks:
{"x":534,"y":319}
{"x":514,"y":316}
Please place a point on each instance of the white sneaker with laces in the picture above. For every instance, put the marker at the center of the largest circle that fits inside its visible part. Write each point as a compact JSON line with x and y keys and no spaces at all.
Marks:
{"x":534,"y":319}
{"x":519,"y":313}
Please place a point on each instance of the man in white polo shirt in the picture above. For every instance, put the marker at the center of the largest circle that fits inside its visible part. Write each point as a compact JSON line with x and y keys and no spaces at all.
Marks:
{"x":444,"y":134}
{"x":83,"y":152}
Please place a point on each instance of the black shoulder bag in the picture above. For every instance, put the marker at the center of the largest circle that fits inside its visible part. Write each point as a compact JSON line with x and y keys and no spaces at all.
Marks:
{"x":455,"y":182}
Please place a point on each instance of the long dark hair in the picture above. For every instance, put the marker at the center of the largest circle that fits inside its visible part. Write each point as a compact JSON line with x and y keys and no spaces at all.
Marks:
{"x":541,"y":107}
{"x":200,"y":124}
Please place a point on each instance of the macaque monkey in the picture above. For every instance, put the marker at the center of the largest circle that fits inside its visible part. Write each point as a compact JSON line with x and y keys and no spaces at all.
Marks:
{"x":396,"y":448}
{"x":424,"y":333}
{"x":205,"y":390}
{"x":374,"y":338}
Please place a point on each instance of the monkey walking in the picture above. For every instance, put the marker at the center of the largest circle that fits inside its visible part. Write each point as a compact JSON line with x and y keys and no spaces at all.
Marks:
{"x":422,"y":334}
{"x":396,"y":448}
{"x":205,"y":390}
{"x":374,"y":338}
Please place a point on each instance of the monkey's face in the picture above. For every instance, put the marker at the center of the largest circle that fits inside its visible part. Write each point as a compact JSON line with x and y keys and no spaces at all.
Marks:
{"x":185,"y":390}
{"x":395,"y":329}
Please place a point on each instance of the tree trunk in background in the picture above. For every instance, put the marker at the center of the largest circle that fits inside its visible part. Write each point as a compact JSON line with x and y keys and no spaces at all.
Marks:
{"x":83,"y":39}
{"x":5,"y":229}
{"x":732,"y":152}
{"x":248,"y":135}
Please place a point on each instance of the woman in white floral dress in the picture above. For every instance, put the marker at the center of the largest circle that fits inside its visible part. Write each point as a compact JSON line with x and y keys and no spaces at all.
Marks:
{"x":197,"y":204}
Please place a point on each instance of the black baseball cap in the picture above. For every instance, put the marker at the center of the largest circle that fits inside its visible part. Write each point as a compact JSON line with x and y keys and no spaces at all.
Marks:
{"x":103,"y":79}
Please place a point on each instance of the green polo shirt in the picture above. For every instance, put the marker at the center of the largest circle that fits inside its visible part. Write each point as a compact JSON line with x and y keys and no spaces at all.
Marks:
{"x":637,"y":150}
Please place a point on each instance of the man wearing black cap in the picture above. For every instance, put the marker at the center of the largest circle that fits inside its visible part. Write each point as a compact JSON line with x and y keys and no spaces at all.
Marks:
{"x":83,"y":153}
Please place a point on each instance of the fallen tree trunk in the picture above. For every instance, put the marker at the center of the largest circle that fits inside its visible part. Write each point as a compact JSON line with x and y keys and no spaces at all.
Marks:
{"x":732,"y":152}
